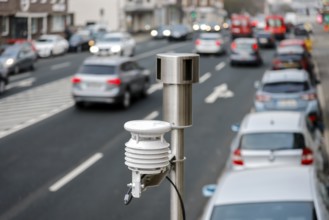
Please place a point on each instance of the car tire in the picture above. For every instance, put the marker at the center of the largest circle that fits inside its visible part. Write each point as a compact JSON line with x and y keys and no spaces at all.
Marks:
{"x":2,"y":86}
{"x":32,"y":67}
{"x":79,"y":105}
{"x":126,"y":99}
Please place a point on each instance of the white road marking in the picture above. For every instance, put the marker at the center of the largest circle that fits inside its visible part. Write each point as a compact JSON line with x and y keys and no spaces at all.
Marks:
{"x":20,"y":76}
{"x":160,"y":50}
{"x":154,"y":88}
{"x":152,"y":115}
{"x":60,"y":66}
{"x":76,"y":172}
{"x":220,"y":91}
{"x":220,"y":66}
{"x":23,"y":83}
{"x":204,"y":77}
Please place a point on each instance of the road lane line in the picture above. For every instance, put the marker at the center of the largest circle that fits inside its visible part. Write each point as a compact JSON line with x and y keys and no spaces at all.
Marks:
{"x":76,"y":172}
{"x":160,"y":50}
{"x":23,"y":83}
{"x":60,"y":66}
{"x":20,"y":76}
{"x":220,"y":66}
{"x":204,"y":77}
{"x":152,"y":115}
{"x":154,"y":88}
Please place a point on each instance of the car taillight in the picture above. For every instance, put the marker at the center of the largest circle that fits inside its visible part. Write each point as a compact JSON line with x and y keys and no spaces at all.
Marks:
{"x":310,"y":96}
{"x":312,"y":117}
{"x":255,"y":47}
{"x":198,"y":42}
{"x":307,"y":156}
{"x":76,"y":80}
{"x":218,"y":43}
{"x":233,"y":45}
{"x":237,"y":158}
{"x":115,"y":81}
{"x":263,"y":98}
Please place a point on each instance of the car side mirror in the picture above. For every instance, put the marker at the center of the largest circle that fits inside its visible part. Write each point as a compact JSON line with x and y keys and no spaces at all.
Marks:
{"x":209,"y":190}
{"x":235,"y":127}
{"x":257,"y":84}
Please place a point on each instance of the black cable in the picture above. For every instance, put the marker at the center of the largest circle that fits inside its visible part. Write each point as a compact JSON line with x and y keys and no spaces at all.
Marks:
{"x":179,"y":196}
{"x":128,"y":197}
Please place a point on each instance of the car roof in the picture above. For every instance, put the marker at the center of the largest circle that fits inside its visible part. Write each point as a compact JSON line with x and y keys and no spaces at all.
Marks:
{"x":108,"y":61}
{"x":288,"y":75}
{"x":244,"y":40}
{"x":272,"y":121}
{"x":212,"y":35}
{"x":270,"y":184}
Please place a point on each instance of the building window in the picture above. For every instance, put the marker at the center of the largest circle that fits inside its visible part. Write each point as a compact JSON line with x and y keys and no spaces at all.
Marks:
{"x":58,"y":23}
{"x":34,"y":28}
{"x":4,"y":26}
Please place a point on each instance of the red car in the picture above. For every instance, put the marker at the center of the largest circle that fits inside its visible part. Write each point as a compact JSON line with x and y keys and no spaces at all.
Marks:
{"x":275,"y":24}
{"x":241,"y":26}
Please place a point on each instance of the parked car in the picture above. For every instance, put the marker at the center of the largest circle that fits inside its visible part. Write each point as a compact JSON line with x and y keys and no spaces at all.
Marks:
{"x":265,"y":39}
{"x":294,"y":57}
{"x":79,"y":42}
{"x":119,"y":43}
{"x":210,"y":43}
{"x":4,"y":78}
{"x":275,"y":138}
{"x":18,"y":57}
{"x":109,"y":80}
{"x":179,"y":32}
{"x":277,"y":193}
{"x":289,"y":89}
{"x":158,"y":33}
{"x":245,"y":51}
{"x":51,"y":45}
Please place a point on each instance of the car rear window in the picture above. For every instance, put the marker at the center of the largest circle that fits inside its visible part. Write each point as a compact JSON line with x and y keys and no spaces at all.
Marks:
{"x":244,"y":47}
{"x":274,"y":22}
{"x":286,"y":87}
{"x":265,"y":211}
{"x":272,"y":141}
{"x":97,"y":69}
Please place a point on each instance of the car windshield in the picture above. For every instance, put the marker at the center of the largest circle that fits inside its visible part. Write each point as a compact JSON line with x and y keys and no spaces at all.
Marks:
{"x":274,"y":22}
{"x":11,"y":51}
{"x":272,"y":141}
{"x":265,"y":211}
{"x":97,"y":69}
{"x":111,"y":39}
{"x":179,"y":28}
{"x":45,"y":40}
{"x":286,"y":87}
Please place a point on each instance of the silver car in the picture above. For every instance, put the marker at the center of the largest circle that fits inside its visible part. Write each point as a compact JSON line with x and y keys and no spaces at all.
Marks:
{"x":289,"y":89}
{"x":120,"y":43}
{"x":209,"y":43}
{"x":109,"y":80}
{"x":275,"y":139}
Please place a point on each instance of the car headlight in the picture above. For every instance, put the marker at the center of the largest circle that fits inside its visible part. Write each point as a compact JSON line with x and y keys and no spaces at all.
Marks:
{"x":196,"y":27}
{"x":94,"y":49}
{"x":203,"y":27}
{"x":217,"y":28}
{"x":154,"y":33}
{"x":166,"y":33}
{"x":225,"y":25}
{"x":91,"y":43}
{"x":116,"y":49}
{"x":9,"y":62}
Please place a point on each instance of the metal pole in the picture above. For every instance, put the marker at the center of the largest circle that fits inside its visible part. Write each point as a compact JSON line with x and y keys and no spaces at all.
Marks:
{"x":29,"y":27}
{"x":177,"y":173}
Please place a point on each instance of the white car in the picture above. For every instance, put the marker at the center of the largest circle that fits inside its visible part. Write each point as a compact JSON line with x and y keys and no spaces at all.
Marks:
{"x":49,"y":45}
{"x":285,"y":193}
{"x":275,"y":138}
{"x":120,"y":43}
{"x":209,"y":43}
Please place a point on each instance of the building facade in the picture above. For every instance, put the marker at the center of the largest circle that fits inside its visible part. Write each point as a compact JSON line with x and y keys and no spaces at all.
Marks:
{"x":29,"y":19}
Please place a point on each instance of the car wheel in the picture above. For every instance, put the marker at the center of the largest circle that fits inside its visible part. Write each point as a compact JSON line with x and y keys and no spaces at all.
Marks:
{"x":2,"y":86}
{"x":126,"y":101}
{"x":32,"y":67}
{"x":79,"y":105}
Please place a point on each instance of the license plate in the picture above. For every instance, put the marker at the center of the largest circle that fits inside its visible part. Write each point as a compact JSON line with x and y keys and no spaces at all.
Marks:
{"x":94,"y":85}
{"x":263,"y":40}
{"x":290,"y":65}
{"x":287,"y":103}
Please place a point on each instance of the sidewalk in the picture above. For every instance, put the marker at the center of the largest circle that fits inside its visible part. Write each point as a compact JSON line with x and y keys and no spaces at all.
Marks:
{"x":320,"y":55}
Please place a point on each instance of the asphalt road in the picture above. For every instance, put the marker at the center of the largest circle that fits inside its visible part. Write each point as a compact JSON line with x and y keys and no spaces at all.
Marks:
{"x":34,"y":158}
